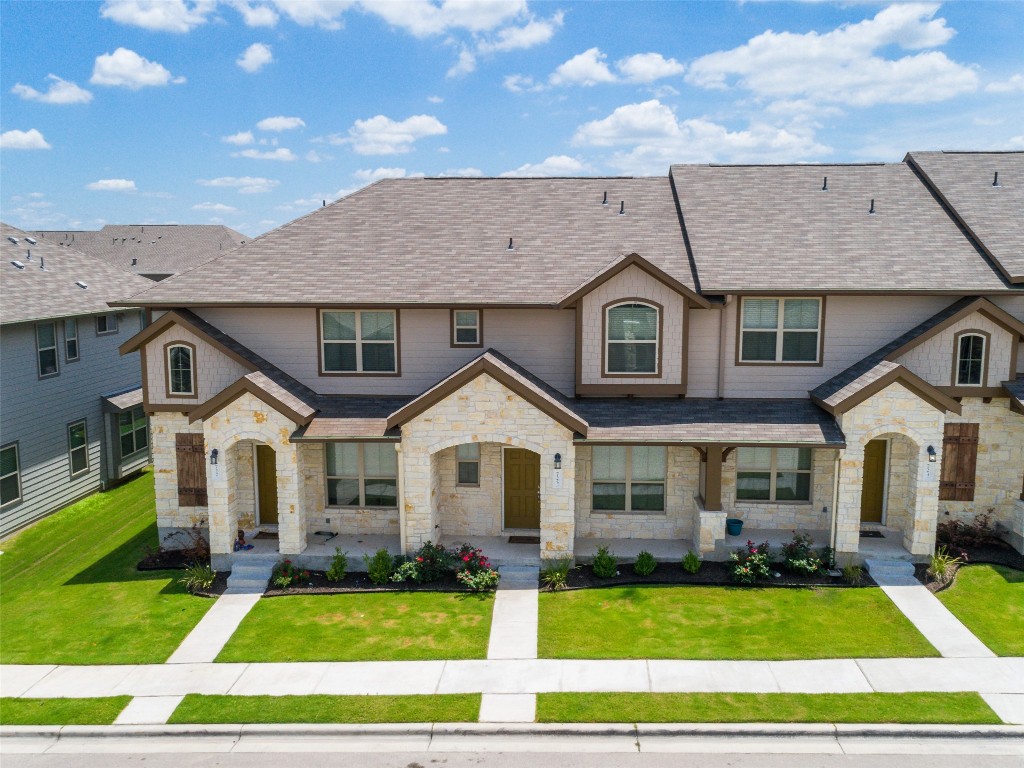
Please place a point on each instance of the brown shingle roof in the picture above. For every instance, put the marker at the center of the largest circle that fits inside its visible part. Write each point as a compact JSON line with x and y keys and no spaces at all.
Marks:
{"x":993,"y":214}
{"x":445,"y":241}
{"x":39,"y":294}
{"x":773,"y":228}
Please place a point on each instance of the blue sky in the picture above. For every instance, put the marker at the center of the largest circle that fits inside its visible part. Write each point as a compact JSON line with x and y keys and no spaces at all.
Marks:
{"x":250,"y":112}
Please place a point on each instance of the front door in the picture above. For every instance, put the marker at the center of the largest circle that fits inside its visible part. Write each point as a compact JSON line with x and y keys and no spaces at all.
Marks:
{"x":522,"y":489}
{"x":872,"y":497}
{"x":266,"y":484}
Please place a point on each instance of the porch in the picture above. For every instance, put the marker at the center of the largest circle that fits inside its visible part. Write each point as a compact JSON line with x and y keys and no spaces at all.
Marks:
{"x":320,"y":548}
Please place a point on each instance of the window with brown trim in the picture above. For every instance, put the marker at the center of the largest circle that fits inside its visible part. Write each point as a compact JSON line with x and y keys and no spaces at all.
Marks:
{"x":631,"y":339}
{"x":628,"y":478}
{"x":773,"y":474}
{"x":959,"y":462}
{"x":971,"y":351}
{"x":780,"y":330}
{"x":362,"y":475}
{"x":191,"y":461}
{"x":359,"y":341}
{"x":181,"y":370}
{"x":467,"y":328}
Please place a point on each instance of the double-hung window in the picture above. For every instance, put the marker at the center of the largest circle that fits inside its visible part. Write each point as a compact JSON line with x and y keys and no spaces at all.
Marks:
{"x":631,"y":339}
{"x":46,"y":349}
{"x":467,"y":459}
{"x":780,"y":330}
{"x":10,"y":475}
{"x":359,"y":341}
{"x":78,"y":448}
{"x":106,"y":324}
{"x":773,"y":474}
{"x":628,"y":478}
{"x":181,"y":370}
{"x":467,"y":328}
{"x":362,"y":475}
{"x":71,"y":339}
{"x":970,"y":360}
{"x":133,"y":431}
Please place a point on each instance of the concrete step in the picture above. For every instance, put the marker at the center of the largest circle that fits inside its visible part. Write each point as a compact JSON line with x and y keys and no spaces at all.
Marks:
{"x":526,"y":575}
{"x":249,"y":577}
{"x":898,"y":569}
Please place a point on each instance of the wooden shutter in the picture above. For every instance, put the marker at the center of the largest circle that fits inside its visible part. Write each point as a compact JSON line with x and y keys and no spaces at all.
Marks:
{"x":959,"y":462}
{"x":191,"y":470}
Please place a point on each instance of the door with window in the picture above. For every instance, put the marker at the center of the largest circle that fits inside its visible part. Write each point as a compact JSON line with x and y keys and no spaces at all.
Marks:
{"x":266,"y":484}
{"x":522,"y":488}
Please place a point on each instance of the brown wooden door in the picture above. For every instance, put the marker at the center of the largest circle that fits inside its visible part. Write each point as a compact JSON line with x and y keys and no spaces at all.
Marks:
{"x":872,"y":496}
{"x":266,"y":483}
{"x":522,"y":489}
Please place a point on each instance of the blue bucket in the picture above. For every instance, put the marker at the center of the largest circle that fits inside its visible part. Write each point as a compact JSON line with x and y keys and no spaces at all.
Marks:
{"x":733,"y":526}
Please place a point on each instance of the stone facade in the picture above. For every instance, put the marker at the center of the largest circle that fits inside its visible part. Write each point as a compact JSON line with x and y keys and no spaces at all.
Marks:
{"x":934,"y":360}
{"x":163,"y":426}
{"x":470,"y":510}
{"x":341,"y":520}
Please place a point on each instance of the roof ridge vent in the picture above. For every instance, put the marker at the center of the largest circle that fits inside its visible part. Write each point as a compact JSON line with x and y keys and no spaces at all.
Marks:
{"x":995,"y":180}
{"x":824,"y":185}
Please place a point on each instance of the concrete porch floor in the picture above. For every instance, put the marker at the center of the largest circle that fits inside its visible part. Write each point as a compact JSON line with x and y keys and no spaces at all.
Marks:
{"x":626,"y":550}
{"x":775,"y":537}
{"x":320,"y":550}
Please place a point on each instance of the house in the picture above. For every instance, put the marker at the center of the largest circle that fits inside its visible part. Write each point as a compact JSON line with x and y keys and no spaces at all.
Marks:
{"x":156,"y":251}
{"x":630,"y":361}
{"x":71,"y":416}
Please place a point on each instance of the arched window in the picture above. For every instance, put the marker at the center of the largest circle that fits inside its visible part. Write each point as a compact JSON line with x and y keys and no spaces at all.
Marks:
{"x":970,"y":360}
{"x":181,"y":372}
{"x":632,"y":332}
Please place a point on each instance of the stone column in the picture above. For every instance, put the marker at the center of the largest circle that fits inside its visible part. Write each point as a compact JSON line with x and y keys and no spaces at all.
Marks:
{"x":925,"y":479}
{"x":851,"y":485}
{"x":220,"y":479}
{"x":418,"y":494}
{"x":291,"y":511}
{"x":558,"y":505}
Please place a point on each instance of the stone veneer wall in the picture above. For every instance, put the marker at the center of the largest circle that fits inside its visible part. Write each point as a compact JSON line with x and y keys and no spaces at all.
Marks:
{"x":468,"y":510}
{"x":163,"y":426}
{"x":485,"y":411}
{"x":899,"y":503}
{"x":677,"y":522}
{"x":341,"y":520}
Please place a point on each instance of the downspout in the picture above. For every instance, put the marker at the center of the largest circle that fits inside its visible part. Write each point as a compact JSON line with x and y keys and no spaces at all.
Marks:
{"x":721,"y":349}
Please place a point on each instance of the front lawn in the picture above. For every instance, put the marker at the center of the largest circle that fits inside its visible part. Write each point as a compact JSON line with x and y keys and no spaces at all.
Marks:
{"x":101,"y":711}
{"x":926,"y":708}
{"x":653,"y":622}
{"x":71,"y":594}
{"x":989,"y":600}
{"x":439,"y":708}
{"x":388,"y":626}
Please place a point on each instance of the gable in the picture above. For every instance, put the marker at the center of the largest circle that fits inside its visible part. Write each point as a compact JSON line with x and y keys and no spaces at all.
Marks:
{"x":934,"y":359}
{"x":214,"y":369}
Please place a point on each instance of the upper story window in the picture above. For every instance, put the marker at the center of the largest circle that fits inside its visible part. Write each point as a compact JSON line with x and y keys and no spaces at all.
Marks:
{"x":467,"y":328}
{"x":106,"y":324}
{"x":780,"y":331}
{"x":362,"y":475}
{"x":773,"y":474}
{"x":181,"y":370}
{"x":10,"y":475}
{"x":632,"y":333}
{"x":359,"y":341}
{"x":628,"y":478}
{"x":71,"y":339}
{"x":970,"y":360}
{"x":78,"y":447}
{"x":46,"y":349}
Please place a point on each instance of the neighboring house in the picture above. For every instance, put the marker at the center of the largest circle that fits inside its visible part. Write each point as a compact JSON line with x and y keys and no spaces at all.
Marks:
{"x":633,"y":360}
{"x":71,"y":417}
{"x":156,"y":251}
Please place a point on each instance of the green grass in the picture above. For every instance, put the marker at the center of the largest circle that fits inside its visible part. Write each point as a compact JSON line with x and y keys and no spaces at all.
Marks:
{"x":381,"y":626}
{"x":101,"y":711}
{"x":924,"y":708}
{"x":71,"y":594}
{"x":439,"y":708}
{"x":651,"y":622}
{"x":989,"y":600}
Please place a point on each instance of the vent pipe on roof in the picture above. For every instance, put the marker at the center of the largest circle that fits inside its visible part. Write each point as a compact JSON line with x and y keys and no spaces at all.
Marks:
{"x":324,"y":203}
{"x":510,"y":244}
{"x":42,"y":264}
{"x":995,"y":180}
{"x":135,"y":262}
{"x":622,"y":208}
{"x":872,"y":209}
{"x":605,"y":201}
{"x":824,"y":185}
{"x":28,"y":254}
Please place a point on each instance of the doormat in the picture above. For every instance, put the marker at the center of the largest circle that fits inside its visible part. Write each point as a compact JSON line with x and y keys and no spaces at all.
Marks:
{"x":266,"y":535}
{"x":524,"y":539}
{"x":871,"y":535}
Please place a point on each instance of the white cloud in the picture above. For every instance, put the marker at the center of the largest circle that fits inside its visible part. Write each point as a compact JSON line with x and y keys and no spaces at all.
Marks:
{"x":1013,"y":85}
{"x":843,"y":65}
{"x":281,"y":153}
{"x":535,"y":32}
{"x":315,"y":157}
{"x":521,"y":84}
{"x":314,"y":13}
{"x":280,"y":123}
{"x":422,"y":18}
{"x":126,"y":68}
{"x":158,"y":15}
{"x":255,"y":58}
{"x":239,"y":139}
{"x":60,"y":92}
{"x":381,"y":135}
{"x":465,"y":64}
{"x":556,"y":165}
{"x":218,"y":207}
{"x":435,"y":99}
{"x":1016,"y":142}
{"x":255,"y":15}
{"x":461,"y":173}
{"x":30,"y":139}
{"x":370,"y":176}
{"x":587,"y":68}
{"x":648,"y":67}
{"x":657,"y":139}
{"x":246,"y":185}
{"x":112,"y":185}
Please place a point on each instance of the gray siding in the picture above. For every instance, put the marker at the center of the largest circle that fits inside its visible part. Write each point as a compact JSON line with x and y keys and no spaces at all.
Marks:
{"x":35,"y":412}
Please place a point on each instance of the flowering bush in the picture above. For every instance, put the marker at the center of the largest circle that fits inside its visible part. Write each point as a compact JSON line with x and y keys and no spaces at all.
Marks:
{"x":752,"y":563}
{"x":474,"y":570}
{"x":479,"y":581}
{"x":406,"y":571}
{"x":432,"y":562}
{"x":286,"y":573}
{"x":798,"y":557}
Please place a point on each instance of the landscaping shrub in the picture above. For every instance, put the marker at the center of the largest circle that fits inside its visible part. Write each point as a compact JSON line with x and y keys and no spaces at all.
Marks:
{"x":555,"y":576}
{"x":798,"y":556}
{"x":645,"y":564}
{"x":407,"y":570}
{"x":604,"y":564}
{"x":691,"y":563}
{"x":943,"y":565}
{"x":432,"y":562}
{"x":480,"y":581}
{"x":379,"y":566}
{"x":751,"y":563}
{"x":853,"y":575}
{"x":339,"y":566}
{"x":286,"y":573}
{"x":957,"y":533}
{"x":474,"y":570}
{"x":198,"y":576}
{"x":193,"y":543}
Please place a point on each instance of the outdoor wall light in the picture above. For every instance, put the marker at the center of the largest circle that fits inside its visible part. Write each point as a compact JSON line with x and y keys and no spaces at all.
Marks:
{"x":931,"y":454}
{"x":558,"y":461}
{"x":213,"y":457}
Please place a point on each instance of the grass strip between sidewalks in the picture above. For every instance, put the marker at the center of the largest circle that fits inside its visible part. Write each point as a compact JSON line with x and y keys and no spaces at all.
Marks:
{"x":907,"y":708}
{"x":439,"y":708}
{"x":989,"y":600}
{"x":98,"y":711}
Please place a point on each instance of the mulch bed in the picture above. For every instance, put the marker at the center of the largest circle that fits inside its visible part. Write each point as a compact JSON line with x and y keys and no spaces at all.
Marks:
{"x":992,"y":554}
{"x":220,"y":585}
{"x":356,"y":581}
{"x":165,"y":559}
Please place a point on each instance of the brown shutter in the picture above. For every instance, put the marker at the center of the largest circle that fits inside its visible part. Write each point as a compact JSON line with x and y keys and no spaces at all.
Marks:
{"x":191,"y":470}
{"x":959,"y":462}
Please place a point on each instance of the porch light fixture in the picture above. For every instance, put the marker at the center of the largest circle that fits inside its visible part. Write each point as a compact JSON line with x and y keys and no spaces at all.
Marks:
{"x":558,"y":461}
{"x":931,"y":454}
{"x":213,"y":457}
